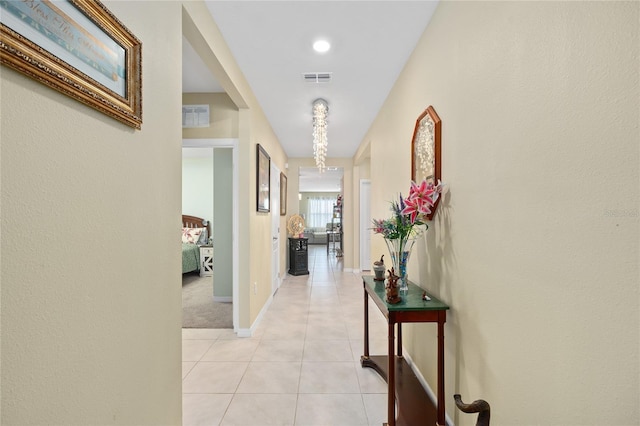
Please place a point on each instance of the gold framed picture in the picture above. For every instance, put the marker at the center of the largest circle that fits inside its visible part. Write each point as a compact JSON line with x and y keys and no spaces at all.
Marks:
{"x":79,"y":48}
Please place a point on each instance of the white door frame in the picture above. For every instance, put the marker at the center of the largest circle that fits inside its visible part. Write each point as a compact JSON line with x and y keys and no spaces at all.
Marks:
{"x":274,"y":204}
{"x":365,"y":220}
{"x":234,"y":145}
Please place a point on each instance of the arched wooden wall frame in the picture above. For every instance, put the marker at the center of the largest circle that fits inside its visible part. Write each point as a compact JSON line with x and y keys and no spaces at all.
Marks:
{"x":428,"y":124}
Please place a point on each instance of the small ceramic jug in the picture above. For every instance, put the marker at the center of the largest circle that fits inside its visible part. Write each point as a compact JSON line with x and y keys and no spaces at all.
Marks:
{"x":378,"y":269}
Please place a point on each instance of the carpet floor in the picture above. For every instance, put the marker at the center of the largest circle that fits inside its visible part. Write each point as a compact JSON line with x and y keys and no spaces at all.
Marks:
{"x":198,"y":308}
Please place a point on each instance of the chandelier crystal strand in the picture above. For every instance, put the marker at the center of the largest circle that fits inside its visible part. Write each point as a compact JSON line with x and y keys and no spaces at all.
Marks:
{"x":320,"y":114}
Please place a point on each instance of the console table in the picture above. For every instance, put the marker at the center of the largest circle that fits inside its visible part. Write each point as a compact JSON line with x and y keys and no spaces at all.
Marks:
{"x":414,"y":405}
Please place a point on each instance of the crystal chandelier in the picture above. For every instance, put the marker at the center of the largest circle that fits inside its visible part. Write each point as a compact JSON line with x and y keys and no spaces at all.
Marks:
{"x":320,"y":113}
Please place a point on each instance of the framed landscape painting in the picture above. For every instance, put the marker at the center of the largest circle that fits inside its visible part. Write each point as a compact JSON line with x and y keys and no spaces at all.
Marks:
{"x":77,"y":47}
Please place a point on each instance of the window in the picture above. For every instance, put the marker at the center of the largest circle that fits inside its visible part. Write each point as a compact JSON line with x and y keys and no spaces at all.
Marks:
{"x":319,"y":211}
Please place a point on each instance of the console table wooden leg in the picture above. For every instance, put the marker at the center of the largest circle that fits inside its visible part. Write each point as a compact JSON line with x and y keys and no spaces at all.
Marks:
{"x":366,"y":325}
{"x":441,"y":410}
{"x":391,"y":397}
{"x":399,"y":350}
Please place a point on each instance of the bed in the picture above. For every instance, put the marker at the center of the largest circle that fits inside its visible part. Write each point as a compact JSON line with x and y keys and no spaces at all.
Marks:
{"x":195,"y":232}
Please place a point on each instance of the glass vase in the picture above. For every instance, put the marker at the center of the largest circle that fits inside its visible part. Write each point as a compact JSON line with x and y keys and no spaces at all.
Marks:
{"x":400,"y":251}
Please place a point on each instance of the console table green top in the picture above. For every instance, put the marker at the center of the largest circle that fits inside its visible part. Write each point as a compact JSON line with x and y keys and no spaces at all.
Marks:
{"x":411,"y":300}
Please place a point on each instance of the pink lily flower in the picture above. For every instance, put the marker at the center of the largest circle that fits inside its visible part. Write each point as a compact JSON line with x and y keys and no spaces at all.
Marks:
{"x":424,"y":193}
{"x":414,"y":207}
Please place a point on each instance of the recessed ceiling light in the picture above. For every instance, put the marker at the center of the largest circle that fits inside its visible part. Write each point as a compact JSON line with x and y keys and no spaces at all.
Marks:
{"x":321,"y":46}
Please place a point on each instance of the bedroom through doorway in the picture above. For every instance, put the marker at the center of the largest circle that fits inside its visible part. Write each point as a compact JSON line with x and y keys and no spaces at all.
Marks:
{"x":208,"y":195}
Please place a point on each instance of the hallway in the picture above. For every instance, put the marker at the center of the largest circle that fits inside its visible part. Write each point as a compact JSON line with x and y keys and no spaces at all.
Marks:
{"x":302,"y":365}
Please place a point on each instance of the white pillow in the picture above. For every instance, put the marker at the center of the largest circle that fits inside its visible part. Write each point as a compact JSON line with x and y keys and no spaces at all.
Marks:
{"x":191,"y":235}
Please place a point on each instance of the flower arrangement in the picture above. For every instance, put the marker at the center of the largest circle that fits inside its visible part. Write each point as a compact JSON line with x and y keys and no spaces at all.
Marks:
{"x":409,"y":214}
{"x":409,"y":220}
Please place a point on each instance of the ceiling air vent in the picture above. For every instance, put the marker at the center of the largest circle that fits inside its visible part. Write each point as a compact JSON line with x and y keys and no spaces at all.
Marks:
{"x":317,"y":77}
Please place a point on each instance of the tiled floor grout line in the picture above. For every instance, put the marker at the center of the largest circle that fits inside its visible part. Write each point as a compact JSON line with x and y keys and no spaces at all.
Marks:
{"x":326,"y":282}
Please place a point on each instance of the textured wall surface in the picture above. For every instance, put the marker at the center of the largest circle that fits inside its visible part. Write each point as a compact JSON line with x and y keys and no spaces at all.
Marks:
{"x":223,"y":116}
{"x":536,"y":245}
{"x":90,"y":251}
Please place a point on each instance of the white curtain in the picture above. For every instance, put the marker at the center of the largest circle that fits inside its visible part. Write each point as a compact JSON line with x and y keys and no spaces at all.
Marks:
{"x":319,"y":211}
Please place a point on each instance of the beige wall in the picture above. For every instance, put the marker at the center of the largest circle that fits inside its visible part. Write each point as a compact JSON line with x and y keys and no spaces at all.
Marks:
{"x":90,"y":259}
{"x":260,"y":223}
{"x":74,"y":295}
{"x":536,"y":245}
{"x":252,"y":128}
{"x":223,"y":116}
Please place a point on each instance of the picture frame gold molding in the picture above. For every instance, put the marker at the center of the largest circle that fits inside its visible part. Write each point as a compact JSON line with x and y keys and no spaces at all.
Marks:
{"x":21,"y":52}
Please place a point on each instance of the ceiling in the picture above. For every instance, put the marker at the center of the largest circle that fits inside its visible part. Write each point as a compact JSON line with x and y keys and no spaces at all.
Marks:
{"x":272,"y":44}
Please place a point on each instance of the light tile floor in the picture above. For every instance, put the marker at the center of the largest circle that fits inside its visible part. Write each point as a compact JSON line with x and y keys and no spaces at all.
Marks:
{"x":302,"y":366}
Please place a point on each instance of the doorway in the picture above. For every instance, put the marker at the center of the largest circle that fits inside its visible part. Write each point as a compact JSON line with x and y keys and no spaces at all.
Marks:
{"x":365,"y":234}
{"x":275,"y":228}
{"x":224,"y":223}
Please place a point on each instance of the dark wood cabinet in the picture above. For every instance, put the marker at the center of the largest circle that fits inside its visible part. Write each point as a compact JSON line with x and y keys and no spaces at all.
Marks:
{"x":298,"y":256}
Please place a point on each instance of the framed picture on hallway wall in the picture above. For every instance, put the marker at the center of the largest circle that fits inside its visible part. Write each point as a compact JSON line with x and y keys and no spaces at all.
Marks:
{"x":283,"y":194}
{"x":263,"y":179}
{"x":79,"y":48}
{"x":425,"y":150}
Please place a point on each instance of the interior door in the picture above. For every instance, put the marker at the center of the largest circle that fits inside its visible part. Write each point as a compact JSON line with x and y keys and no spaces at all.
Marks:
{"x":275,"y":228}
{"x":365,"y":221}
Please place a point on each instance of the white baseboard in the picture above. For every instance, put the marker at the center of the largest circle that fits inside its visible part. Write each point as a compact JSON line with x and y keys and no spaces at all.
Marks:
{"x":425,"y":385}
{"x":223,"y":299}
{"x":243,"y":332}
{"x":248,"y":332}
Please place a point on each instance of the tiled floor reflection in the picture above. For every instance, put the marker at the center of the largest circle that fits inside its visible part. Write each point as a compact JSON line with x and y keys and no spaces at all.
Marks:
{"x":302,"y":365}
